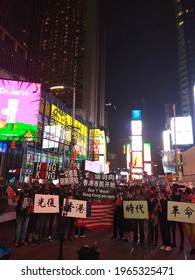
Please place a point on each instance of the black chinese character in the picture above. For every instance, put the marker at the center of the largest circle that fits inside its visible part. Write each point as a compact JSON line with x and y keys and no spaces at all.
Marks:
{"x":50,"y":202}
{"x":175,"y":210}
{"x":80,"y":208}
{"x":41,"y":202}
{"x":140,"y":207}
{"x":130,"y":208}
{"x":188,"y":211}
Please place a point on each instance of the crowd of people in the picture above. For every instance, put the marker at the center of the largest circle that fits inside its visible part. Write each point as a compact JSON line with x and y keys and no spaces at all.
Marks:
{"x":159,"y":229}
{"x":42,"y":227}
{"x":156,"y":230}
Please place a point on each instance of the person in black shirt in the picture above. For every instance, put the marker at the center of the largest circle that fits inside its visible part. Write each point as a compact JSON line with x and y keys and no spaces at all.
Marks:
{"x":23,"y":208}
{"x":165,"y":225}
{"x":153,"y":222}
{"x":176,"y":196}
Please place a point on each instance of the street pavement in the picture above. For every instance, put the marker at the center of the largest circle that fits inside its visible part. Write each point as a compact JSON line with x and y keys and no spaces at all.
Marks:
{"x":111,"y":249}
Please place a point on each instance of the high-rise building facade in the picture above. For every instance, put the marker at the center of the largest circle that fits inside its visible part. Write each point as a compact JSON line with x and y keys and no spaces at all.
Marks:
{"x":16,"y":24}
{"x":185,"y":15}
{"x":70,"y":53}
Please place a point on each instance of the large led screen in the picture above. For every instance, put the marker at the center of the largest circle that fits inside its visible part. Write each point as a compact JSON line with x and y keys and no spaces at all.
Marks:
{"x":136,"y":114}
{"x":136,"y":127}
{"x":51,"y":136}
{"x":136,"y":143}
{"x":19,"y":109}
{"x":183,"y":128}
{"x":137,"y":160}
{"x":147,"y":152}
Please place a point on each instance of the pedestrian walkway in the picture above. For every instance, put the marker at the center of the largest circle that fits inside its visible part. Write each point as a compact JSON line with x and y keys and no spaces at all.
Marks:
{"x":111,"y":249}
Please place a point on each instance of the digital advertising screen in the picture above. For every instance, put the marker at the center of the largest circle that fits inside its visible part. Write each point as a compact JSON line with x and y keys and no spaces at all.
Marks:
{"x":183,"y":128}
{"x":136,"y":127}
{"x":19,"y":109}
{"x":136,"y":114}
{"x":3,"y":148}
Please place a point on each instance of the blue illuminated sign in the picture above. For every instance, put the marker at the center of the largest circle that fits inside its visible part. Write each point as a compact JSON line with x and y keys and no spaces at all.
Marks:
{"x":136,"y":114}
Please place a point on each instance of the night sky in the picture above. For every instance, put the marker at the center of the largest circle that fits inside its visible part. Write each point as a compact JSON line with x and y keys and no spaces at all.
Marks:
{"x":141,"y":62}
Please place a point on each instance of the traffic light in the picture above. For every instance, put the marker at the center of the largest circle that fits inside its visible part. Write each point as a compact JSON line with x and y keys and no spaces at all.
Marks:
{"x":13,"y":145}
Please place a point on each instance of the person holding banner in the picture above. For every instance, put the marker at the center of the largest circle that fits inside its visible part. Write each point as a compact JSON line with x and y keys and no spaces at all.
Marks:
{"x":138,"y":224}
{"x":127,"y":223}
{"x":43,"y":218}
{"x":189,"y":228}
{"x":78,"y":230}
{"x":176,"y":196}
{"x":118,"y":215}
{"x":68,"y":222}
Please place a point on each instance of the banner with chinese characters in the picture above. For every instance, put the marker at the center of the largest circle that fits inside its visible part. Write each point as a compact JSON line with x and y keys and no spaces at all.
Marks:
{"x":135,"y":209}
{"x":99,"y":187}
{"x":46,"y":171}
{"x":44,"y":203}
{"x":74,"y":208}
{"x":181,"y":212}
{"x":69,"y":177}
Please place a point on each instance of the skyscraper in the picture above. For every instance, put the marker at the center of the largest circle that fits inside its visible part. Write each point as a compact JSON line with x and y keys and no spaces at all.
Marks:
{"x":16,"y":23}
{"x":185,"y":14}
{"x":70,"y":53}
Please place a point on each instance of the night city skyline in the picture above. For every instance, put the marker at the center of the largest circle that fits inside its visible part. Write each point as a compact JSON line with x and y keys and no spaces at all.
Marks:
{"x":142,"y":62}
{"x":125,"y":53}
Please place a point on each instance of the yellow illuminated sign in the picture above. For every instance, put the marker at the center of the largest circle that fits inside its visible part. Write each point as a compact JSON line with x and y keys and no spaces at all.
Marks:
{"x":60,"y":117}
{"x":137,"y":160}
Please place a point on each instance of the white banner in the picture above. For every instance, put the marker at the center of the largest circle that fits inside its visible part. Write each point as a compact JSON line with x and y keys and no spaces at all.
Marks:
{"x":135,"y":209}
{"x":46,"y":203}
{"x":74,"y":208}
{"x":181,"y":212}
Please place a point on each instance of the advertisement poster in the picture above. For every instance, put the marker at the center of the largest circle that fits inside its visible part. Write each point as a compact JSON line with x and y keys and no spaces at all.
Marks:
{"x":19,"y":109}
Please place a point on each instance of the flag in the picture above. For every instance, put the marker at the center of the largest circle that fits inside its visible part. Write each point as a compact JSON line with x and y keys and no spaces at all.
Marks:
{"x":10,"y":192}
{"x":99,"y":215}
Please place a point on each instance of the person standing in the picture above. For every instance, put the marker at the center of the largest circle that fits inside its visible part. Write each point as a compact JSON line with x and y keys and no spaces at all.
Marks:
{"x":78,"y":230}
{"x":189,"y":228}
{"x":153,"y":222}
{"x":23,"y":209}
{"x":118,"y":215}
{"x":127,"y":223}
{"x":138,"y":224}
{"x":176,"y":196}
{"x":165,"y":225}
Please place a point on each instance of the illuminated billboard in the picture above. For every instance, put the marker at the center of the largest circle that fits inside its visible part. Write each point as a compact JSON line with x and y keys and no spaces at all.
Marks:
{"x":51,"y":136}
{"x":92,"y":166}
{"x":183,"y":127}
{"x":3,"y":148}
{"x":136,"y":127}
{"x":65,"y":120}
{"x":137,"y":160}
{"x":19,"y":109}
{"x":136,"y":142}
{"x":148,"y":168}
{"x":166,"y":140}
{"x":136,"y":115}
{"x":97,"y":147}
{"x":147,"y":151}
{"x":128,"y":155}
